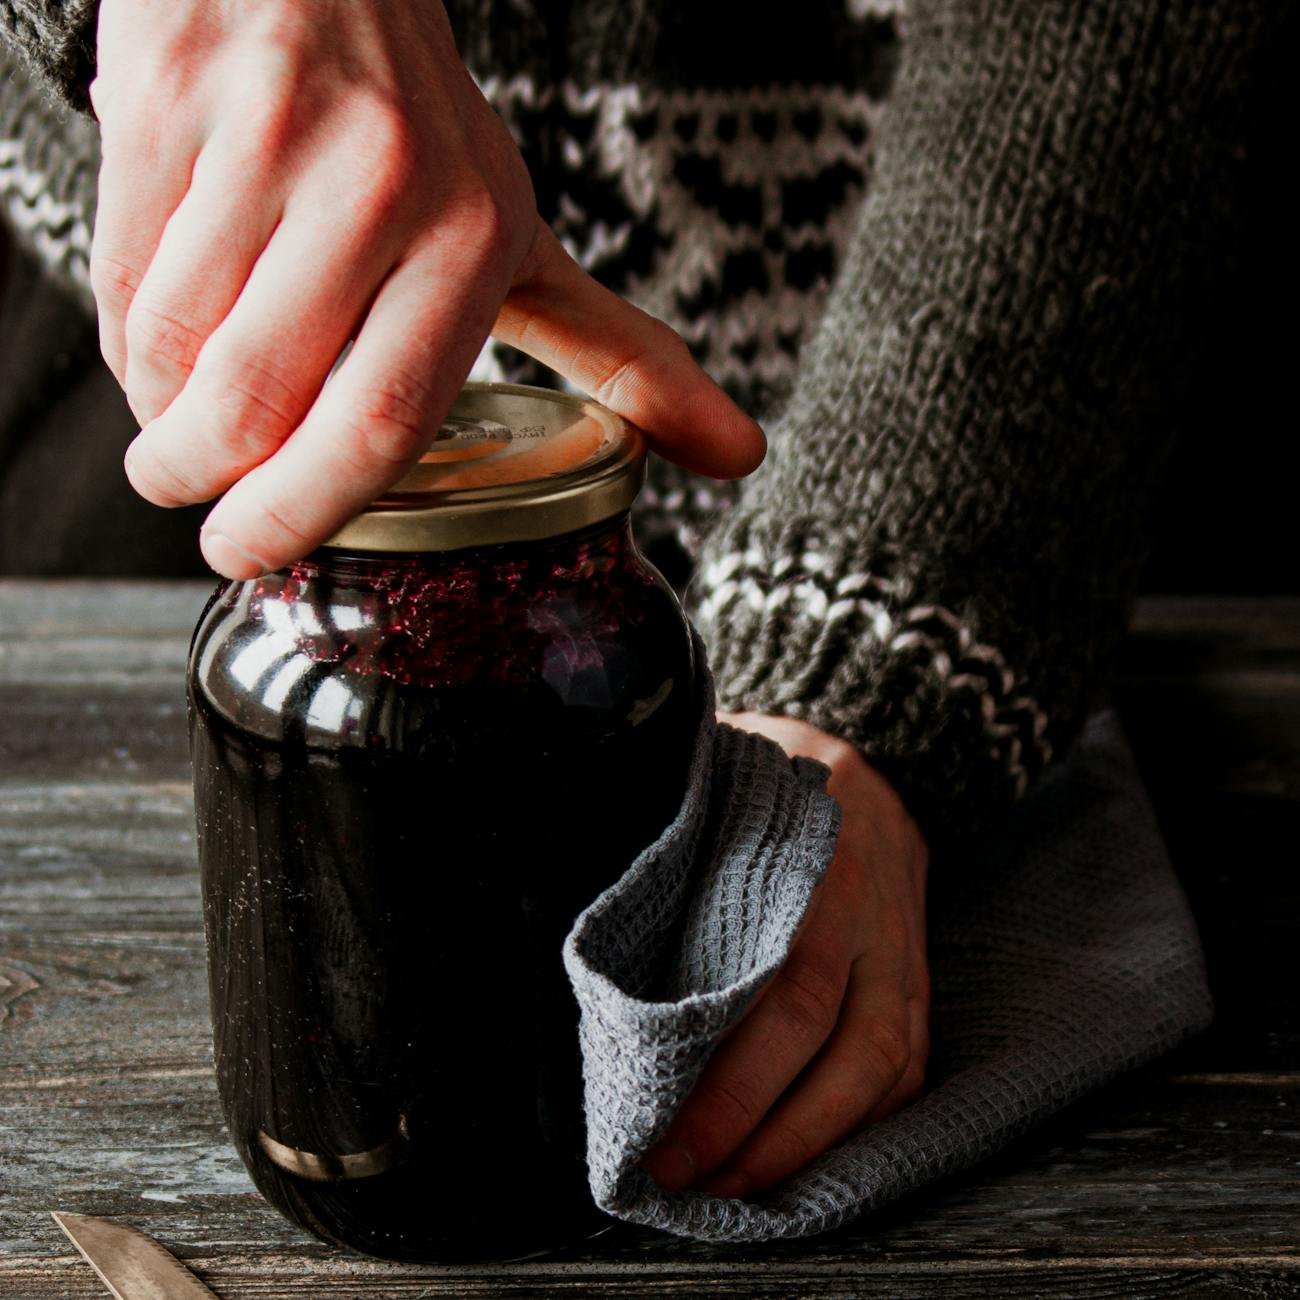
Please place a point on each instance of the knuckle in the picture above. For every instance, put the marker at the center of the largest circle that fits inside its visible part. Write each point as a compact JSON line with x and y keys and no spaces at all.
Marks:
{"x":732,"y":1100}
{"x":280,"y":519}
{"x":118,"y":112}
{"x":275,"y":48}
{"x":97,"y":91}
{"x":622,"y":379}
{"x":156,"y":334}
{"x":388,"y":160}
{"x":794,"y":1145}
{"x":494,"y":227}
{"x":163,"y":483}
{"x":490,"y":236}
{"x":537,"y":243}
{"x":127,"y":98}
{"x":809,"y":993}
{"x":886,"y":1049}
{"x":390,"y":418}
{"x":113,"y":281}
{"x":394,"y":144}
{"x":253,"y":406}
{"x":611,"y":383}
{"x":271,"y":121}
{"x":111,"y":353}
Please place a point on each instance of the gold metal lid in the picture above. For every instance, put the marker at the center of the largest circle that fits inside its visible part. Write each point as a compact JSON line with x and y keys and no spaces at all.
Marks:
{"x":509,"y":464}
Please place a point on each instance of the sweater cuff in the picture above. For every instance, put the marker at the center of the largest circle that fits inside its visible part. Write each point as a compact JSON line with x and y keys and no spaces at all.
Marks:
{"x":804,"y":622}
{"x":57,"y":40}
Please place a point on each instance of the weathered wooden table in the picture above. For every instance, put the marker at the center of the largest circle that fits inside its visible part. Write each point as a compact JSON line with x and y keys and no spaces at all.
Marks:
{"x":1182,"y":1180}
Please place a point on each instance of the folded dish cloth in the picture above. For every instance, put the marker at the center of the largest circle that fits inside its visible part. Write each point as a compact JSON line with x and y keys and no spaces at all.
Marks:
{"x":1061,"y":955}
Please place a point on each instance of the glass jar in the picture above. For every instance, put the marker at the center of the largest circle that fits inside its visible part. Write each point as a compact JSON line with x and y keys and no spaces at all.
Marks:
{"x":414,"y":766}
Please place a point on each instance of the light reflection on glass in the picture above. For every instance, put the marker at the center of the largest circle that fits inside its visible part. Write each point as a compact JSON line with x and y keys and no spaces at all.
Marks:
{"x":261,"y":653}
{"x":306,"y":619}
{"x":332,"y":705}
{"x":278,"y":688}
{"x":279,"y":617}
{"x":347,"y":618}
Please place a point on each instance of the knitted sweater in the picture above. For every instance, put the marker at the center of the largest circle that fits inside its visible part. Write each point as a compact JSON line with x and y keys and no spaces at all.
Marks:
{"x":955,"y":275}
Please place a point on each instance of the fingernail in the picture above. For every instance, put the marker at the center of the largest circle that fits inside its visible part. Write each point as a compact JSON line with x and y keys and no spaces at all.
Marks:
{"x":231,"y":560}
{"x":671,"y":1165}
{"x":729,"y":1186}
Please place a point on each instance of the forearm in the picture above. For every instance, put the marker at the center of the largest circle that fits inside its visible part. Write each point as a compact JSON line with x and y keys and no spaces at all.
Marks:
{"x":939,"y":556}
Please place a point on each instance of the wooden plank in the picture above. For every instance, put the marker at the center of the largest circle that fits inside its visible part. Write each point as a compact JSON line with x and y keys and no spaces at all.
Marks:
{"x":1181,"y":1180}
{"x":105,"y":1071}
{"x":1064,"y":1280}
{"x":92,"y":679}
{"x":71,"y":734}
{"x":1149,"y":1170}
{"x":54,"y":610}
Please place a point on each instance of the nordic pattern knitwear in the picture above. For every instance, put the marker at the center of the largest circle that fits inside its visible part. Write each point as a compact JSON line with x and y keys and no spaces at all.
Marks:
{"x":956,"y":282}
{"x":1062,"y":955}
{"x":938,"y":558}
{"x":49,"y":158}
{"x":721,"y":211}
{"x":57,"y":39}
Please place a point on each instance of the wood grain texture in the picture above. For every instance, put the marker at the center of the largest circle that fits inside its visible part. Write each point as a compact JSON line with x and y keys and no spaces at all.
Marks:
{"x":1183,"y":1180}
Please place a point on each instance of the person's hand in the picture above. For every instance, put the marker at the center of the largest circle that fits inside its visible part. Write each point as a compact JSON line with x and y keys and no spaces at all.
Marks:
{"x":280,"y":176}
{"x":839,"y":1037}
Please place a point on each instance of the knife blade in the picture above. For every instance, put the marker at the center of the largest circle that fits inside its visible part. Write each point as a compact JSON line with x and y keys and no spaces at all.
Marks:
{"x":129,"y":1262}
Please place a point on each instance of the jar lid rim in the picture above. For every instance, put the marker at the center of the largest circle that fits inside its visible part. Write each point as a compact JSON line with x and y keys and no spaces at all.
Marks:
{"x":510,"y":463}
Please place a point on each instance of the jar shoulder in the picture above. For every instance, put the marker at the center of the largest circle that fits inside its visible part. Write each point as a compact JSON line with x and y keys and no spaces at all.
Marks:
{"x":356,"y":664}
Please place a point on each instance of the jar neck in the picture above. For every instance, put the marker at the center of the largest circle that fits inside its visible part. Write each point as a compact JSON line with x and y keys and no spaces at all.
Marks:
{"x":586,"y":552}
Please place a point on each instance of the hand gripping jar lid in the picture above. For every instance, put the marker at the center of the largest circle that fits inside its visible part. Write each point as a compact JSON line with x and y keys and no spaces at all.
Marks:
{"x":509,"y":464}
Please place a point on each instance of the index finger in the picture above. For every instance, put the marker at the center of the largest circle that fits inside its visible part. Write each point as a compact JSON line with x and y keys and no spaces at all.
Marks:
{"x":369,"y":423}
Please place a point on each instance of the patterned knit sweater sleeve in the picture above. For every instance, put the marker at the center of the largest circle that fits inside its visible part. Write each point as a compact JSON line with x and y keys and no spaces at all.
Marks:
{"x":938,"y":559}
{"x":940,"y":554}
{"x":57,"y":38}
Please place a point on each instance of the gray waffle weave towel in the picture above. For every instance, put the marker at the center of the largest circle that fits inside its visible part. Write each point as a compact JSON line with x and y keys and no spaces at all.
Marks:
{"x":1062,"y":955}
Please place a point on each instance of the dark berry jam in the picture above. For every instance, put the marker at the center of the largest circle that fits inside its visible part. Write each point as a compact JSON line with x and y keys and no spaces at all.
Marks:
{"x":411,"y":773}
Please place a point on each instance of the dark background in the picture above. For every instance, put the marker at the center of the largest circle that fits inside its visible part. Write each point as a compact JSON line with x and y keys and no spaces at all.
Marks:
{"x":1226,"y":521}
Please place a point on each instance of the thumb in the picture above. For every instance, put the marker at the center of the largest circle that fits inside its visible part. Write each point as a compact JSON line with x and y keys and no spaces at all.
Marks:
{"x":628,"y":361}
